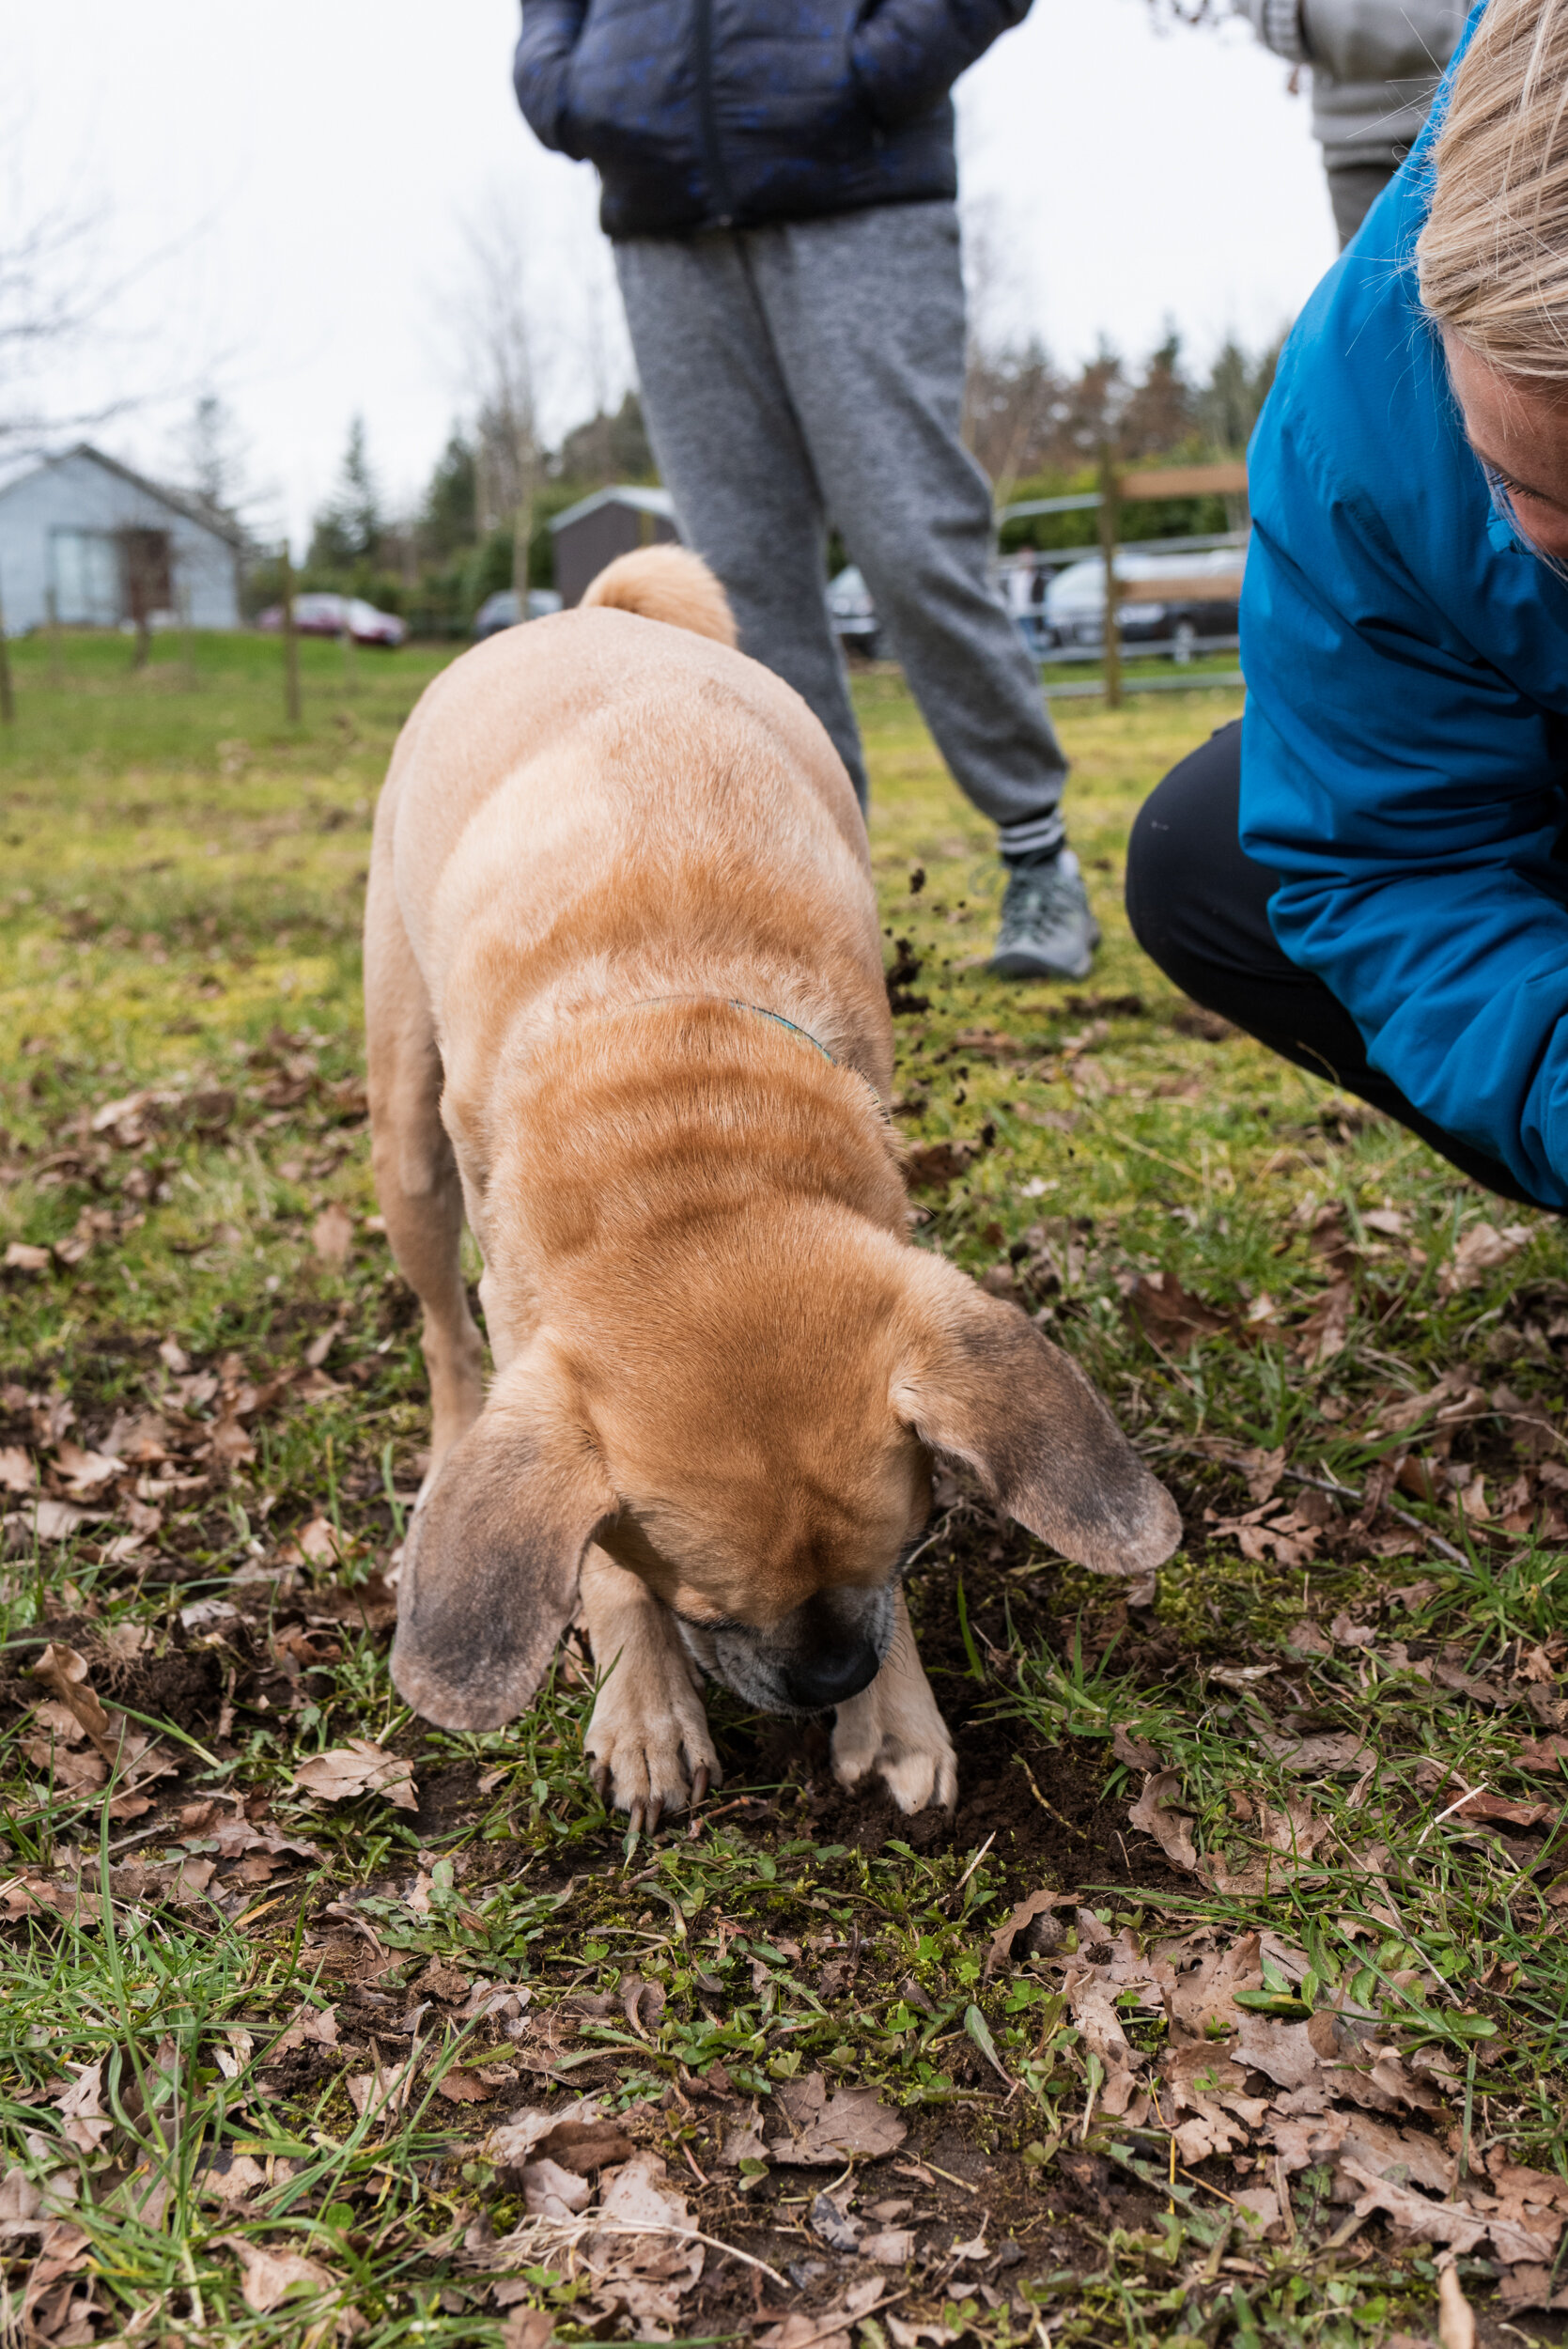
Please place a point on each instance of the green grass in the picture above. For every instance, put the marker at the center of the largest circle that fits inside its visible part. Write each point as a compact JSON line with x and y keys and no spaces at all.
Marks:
{"x":178,"y":921}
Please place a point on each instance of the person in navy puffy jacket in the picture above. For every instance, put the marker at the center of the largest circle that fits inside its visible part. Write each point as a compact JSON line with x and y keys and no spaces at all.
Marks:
{"x":1370,"y":872}
{"x":779,"y":182}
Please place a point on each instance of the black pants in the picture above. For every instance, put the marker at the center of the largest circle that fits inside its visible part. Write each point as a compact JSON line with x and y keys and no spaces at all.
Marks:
{"x":1199,"y":908}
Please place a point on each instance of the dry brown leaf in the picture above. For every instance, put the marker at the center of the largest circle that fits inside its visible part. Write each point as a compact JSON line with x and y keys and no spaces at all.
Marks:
{"x":1201,"y":2080}
{"x":893,"y":2247}
{"x":1460,"y":2225}
{"x":460,"y":2087}
{"x":1136,"y":1753}
{"x":1329,"y":1749}
{"x":80,"y":2106}
{"x":268,"y":2277}
{"x":237,"y":1835}
{"x":54,"y":1520}
{"x":820,"y":2131}
{"x":575,"y":2136}
{"x":1090,"y":1998}
{"x":1290,"y":1837}
{"x":21,"y":2205}
{"x":20,"y":1257}
{"x":307,"y":2029}
{"x":1202,"y":1994}
{"x":531,"y":2328}
{"x":358,"y":1768}
{"x":1024,"y":1913}
{"x":1547,"y":1754}
{"x":1154,"y":1813}
{"x":240,"y":2182}
{"x":1482,"y":1249}
{"x":77,"y":1771}
{"x":64,"y":1671}
{"x":641,"y":2252}
{"x":1482,"y":1805}
{"x":908,"y":2335}
{"x":18,"y":1471}
{"x":643,"y":2003}
{"x":319,"y":1542}
{"x":1169,"y":1315}
{"x":1322,"y":1334}
{"x":332,"y":1235}
{"x":387,"y":2090}
{"x":1401,"y":2153}
{"x":1261,"y":2207}
{"x":550,"y":2192}
{"x":798,"y":2331}
{"x":85,"y":1471}
{"x":1283,"y":2052}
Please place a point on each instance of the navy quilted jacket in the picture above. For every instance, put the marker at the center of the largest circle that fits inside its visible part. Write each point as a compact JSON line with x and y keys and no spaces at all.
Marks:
{"x":702,"y":114}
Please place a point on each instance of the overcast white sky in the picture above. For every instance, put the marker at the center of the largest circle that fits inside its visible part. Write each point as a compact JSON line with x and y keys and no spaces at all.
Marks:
{"x":305,"y":170}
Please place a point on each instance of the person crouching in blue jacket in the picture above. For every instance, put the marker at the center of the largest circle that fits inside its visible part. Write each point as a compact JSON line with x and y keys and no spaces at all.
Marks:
{"x":1370,"y":872}
{"x":779,"y":184}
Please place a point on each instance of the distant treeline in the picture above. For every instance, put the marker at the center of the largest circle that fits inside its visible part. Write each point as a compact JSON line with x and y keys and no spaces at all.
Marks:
{"x":1038,"y":433}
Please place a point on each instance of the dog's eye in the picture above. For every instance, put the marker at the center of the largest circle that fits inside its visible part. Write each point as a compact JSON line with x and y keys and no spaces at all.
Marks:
{"x":708,"y":1622}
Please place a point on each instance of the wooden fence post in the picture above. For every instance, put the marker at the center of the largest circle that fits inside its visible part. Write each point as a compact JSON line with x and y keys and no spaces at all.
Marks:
{"x":1110,"y":518}
{"x":56,"y":658}
{"x":187,"y":632}
{"x":290,"y":643}
{"x":7,"y":698}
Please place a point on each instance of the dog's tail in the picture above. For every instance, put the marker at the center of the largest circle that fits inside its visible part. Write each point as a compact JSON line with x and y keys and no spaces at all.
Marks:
{"x":667,"y":583}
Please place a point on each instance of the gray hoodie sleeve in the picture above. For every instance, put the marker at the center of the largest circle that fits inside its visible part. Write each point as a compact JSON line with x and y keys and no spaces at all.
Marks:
{"x":1277,"y":25}
{"x":1375,"y":67}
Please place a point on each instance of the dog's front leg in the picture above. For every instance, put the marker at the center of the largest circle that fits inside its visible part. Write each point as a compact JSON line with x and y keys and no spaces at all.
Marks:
{"x":647,"y":1740}
{"x":894,"y":1727}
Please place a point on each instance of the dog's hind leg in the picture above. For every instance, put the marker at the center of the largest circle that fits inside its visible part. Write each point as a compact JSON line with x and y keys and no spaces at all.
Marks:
{"x":416,"y":1174}
{"x":894,"y":1727}
{"x":647,"y":1740}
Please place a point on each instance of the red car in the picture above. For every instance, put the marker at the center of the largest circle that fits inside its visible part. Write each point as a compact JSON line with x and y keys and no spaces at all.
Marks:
{"x":327,"y":614}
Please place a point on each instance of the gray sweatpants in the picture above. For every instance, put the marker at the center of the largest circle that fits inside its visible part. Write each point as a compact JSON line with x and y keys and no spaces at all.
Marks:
{"x":814,"y":371}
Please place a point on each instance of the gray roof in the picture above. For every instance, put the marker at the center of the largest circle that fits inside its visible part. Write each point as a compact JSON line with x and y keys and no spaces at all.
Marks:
{"x":658,"y":502}
{"x":179,"y":500}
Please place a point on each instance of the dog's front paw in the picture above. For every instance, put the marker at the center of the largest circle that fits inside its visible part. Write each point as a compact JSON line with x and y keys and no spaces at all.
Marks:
{"x":894,"y":1728}
{"x":919,"y":1776}
{"x":649,"y":1747}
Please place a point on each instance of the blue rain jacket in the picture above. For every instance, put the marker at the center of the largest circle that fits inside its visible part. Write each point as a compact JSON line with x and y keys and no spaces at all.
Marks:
{"x":703,"y":114}
{"x":1404,"y":752}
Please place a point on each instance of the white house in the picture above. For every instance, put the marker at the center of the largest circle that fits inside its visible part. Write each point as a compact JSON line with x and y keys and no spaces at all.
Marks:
{"x":111,"y":546}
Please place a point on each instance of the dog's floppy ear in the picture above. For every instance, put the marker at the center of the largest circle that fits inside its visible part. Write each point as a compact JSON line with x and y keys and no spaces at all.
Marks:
{"x":491,"y":1563}
{"x":980,"y":1384}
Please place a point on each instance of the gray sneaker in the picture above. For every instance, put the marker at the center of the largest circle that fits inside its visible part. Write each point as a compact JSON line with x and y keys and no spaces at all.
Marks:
{"x":1047,"y":931}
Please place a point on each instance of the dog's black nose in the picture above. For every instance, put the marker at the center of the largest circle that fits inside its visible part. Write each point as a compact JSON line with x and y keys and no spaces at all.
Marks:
{"x":823,"y":1681}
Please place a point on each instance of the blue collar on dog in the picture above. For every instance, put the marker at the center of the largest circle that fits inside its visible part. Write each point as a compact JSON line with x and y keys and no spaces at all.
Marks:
{"x":777,"y":1017}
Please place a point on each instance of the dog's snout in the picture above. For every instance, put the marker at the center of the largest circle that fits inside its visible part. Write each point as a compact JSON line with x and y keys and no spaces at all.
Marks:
{"x":817,"y":1683}
{"x":823,"y":1654}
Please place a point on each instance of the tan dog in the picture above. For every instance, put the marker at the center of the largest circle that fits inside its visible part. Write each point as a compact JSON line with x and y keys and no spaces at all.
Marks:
{"x":625,"y":1010}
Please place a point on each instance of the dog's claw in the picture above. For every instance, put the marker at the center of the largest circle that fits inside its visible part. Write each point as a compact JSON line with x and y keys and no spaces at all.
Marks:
{"x":601,"y":1780}
{"x":651,"y":1815}
{"x":699,"y":1786}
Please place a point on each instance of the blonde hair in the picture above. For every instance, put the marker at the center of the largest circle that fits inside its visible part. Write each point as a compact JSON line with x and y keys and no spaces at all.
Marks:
{"x":1493,"y":257}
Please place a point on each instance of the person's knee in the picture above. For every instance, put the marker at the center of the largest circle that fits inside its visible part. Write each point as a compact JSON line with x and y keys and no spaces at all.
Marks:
{"x":1182,"y":847}
{"x":1155,"y":884}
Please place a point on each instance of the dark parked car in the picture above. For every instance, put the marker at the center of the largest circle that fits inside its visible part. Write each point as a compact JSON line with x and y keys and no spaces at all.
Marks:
{"x":501,"y":610}
{"x":327,"y":614}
